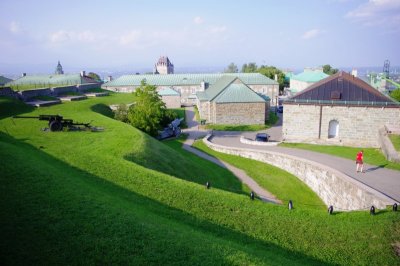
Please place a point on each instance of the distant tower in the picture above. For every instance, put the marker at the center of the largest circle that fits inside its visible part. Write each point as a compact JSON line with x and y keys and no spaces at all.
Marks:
{"x":164,"y":66}
{"x":386,"y":66}
{"x":59,"y":69}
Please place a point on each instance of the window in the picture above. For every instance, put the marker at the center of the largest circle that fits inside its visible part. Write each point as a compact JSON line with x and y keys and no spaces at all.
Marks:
{"x":333,"y":129}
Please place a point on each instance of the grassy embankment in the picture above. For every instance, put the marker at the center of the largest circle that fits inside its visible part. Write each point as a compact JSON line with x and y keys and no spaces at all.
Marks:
{"x":371,"y":156}
{"x":395,"y":141}
{"x":120,"y":197}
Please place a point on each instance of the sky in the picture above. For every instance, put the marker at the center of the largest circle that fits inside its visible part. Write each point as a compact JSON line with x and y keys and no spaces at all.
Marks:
{"x":132,"y":35}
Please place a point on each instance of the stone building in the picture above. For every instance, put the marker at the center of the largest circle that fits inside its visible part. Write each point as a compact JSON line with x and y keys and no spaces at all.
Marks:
{"x":188,"y":85}
{"x":305,"y":79}
{"x":339,"y":110}
{"x":230,"y":101}
{"x":59,"y":69}
{"x":164,"y":66}
{"x":170,"y":97}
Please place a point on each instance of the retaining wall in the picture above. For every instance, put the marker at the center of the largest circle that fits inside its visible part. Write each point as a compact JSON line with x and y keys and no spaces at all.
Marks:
{"x":387,"y":147}
{"x":7,"y":91}
{"x":332,"y":186}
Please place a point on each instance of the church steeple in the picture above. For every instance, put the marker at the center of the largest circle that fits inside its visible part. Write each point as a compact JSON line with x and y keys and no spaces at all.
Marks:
{"x":59,"y":69}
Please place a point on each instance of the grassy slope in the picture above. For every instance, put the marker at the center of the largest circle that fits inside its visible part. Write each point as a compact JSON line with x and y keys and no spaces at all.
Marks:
{"x":79,"y":200}
{"x":395,"y":141}
{"x":371,"y":155}
{"x":280,"y":183}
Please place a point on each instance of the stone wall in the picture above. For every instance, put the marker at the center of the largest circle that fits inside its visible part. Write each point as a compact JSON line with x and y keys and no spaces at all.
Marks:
{"x":358,"y":126}
{"x":28,"y":94}
{"x":387,"y":146}
{"x":172,"y":101}
{"x":8,"y":92}
{"x":299,"y":85}
{"x":333,"y":187}
{"x":272,"y":91}
{"x":239,"y":113}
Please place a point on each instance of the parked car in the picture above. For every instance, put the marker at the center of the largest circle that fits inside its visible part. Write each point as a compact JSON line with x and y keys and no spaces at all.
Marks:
{"x":263,"y":137}
{"x":280,"y":109}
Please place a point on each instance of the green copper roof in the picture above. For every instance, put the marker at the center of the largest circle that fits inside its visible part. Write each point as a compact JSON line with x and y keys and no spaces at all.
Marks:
{"x":238,"y":93}
{"x":186,"y":79}
{"x":229,"y":89}
{"x":310,"y":76}
{"x":62,"y":79}
{"x":4,"y":80}
{"x":168,"y":92}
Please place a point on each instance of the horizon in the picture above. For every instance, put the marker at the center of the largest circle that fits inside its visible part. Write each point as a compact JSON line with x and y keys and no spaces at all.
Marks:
{"x":207,"y":35}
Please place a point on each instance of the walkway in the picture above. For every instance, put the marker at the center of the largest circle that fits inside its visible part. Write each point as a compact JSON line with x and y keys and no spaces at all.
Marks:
{"x":194,"y":133}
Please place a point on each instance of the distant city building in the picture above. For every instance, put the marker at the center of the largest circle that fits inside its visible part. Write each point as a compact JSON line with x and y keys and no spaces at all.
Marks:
{"x":59,"y":69}
{"x":164,"y":66}
{"x":339,"y":110}
{"x":305,"y":79}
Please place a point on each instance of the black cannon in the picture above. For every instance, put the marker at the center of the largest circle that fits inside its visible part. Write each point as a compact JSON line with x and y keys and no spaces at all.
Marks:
{"x":58,"y":123}
{"x":173,"y":130}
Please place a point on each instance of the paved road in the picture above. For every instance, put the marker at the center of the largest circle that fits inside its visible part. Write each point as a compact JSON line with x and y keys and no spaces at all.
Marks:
{"x":383,"y":180}
{"x":194,"y":133}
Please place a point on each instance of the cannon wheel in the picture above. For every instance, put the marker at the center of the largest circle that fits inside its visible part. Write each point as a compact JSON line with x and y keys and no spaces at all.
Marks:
{"x":55,"y":126}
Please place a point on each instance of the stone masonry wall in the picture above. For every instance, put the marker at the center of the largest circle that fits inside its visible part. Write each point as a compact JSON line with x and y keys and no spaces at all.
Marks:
{"x":333,"y":187}
{"x":358,"y":126}
{"x":8,"y":92}
{"x":240,"y":113}
{"x":172,"y":101}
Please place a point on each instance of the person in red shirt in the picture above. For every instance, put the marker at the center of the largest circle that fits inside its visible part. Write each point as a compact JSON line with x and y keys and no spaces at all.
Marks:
{"x":360,"y":161}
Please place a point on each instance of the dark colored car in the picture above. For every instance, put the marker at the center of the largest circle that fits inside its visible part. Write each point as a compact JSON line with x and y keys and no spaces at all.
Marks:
{"x":280,"y":109}
{"x":263,"y":137}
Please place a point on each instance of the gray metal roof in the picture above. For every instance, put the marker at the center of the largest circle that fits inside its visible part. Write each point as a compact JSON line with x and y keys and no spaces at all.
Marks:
{"x":187,"y":79}
{"x":61,"y":79}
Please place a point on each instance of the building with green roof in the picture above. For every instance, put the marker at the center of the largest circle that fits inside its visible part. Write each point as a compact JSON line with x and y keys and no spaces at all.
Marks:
{"x":4,"y":80}
{"x":305,"y":79}
{"x":230,"y":101}
{"x":170,"y":97}
{"x":188,"y":85}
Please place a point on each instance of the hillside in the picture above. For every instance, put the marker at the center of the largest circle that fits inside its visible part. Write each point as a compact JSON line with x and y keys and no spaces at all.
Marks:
{"x":121,"y":197}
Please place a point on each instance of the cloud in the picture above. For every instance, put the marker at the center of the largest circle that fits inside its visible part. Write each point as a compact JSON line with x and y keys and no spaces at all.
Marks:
{"x":129,"y":38}
{"x":311,"y":34}
{"x":198,"y":20}
{"x":63,"y":36}
{"x":15,"y":27}
{"x":218,"y":29}
{"x":377,"y":12}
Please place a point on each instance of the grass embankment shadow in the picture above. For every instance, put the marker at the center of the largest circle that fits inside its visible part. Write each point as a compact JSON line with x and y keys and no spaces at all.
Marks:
{"x":10,"y":107}
{"x":54,"y":213}
{"x":184,"y":165}
{"x":102,"y":109}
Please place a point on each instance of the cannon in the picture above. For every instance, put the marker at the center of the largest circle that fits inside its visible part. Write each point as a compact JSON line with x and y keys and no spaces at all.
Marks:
{"x":58,"y":123}
{"x":173,"y":130}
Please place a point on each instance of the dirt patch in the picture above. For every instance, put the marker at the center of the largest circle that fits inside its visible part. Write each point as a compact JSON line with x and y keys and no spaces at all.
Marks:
{"x":396,"y":247}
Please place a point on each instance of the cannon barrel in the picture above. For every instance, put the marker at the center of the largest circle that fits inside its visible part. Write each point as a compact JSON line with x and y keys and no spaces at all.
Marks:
{"x":24,"y":116}
{"x":42,"y":117}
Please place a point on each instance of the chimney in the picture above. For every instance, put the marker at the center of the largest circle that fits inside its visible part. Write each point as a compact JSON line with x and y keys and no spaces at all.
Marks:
{"x":109,"y":78}
{"x":83,"y":73}
{"x":276,"y":77}
{"x":23,"y":74}
{"x":354,"y":72}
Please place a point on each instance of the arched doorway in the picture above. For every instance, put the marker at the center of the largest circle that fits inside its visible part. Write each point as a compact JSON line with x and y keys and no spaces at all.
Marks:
{"x":333,"y":129}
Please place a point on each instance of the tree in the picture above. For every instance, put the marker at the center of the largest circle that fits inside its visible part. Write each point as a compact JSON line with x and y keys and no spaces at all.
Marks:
{"x":148,"y":111}
{"x":395,"y":94}
{"x":249,"y":68}
{"x":270,"y":72}
{"x":94,"y":76}
{"x":121,"y":113}
{"x":232,"y":68}
{"x":329,"y":70}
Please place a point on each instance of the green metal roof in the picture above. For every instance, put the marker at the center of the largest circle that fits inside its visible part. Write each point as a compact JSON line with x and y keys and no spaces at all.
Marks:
{"x":62,"y":79}
{"x":238,"y":93}
{"x":186,"y":79}
{"x":168,"y":92}
{"x":4,"y":80}
{"x":310,"y":76}
{"x":218,"y":87}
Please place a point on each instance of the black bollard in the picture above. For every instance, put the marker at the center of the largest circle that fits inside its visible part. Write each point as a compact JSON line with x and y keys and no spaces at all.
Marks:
{"x":208,"y":184}
{"x":372,"y":210}
{"x":395,"y":207}
{"x":290,"y":205}
{"x":252,"y":195}
{"x":330,"y":209}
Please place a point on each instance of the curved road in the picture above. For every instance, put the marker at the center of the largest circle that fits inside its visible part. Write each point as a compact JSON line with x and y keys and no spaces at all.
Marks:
{"x":384,"y":180}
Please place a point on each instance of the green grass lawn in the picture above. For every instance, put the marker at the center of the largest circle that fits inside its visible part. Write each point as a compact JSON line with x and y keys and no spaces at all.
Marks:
{"x":121,"y":197}
{"x":371,"y":156}
{"x":395,"y":139}
{"x":282,"y":184}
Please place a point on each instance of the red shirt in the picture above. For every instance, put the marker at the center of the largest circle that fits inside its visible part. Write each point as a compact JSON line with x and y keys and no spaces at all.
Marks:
{"x":359,"y":156}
